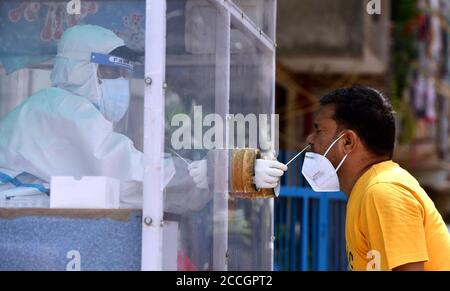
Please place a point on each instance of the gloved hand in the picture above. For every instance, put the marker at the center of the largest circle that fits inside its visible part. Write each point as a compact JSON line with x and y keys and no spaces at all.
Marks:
{"x":198,"y":172}
{"x":268,"y":173}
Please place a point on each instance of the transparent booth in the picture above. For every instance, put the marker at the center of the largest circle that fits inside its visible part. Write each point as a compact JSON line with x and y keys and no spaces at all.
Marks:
{"x":119,"y":128}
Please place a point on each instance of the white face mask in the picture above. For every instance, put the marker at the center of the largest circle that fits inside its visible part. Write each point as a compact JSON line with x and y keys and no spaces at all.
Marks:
{"x":320,"y":173}
{"x":115,"y":98}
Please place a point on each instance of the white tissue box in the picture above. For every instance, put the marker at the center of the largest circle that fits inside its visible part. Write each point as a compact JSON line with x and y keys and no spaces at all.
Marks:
{"x":88,"y":192}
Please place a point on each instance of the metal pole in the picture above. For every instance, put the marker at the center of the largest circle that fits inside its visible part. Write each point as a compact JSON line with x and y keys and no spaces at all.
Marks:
{"x":222,"y":101}
{"x":155,"y":62}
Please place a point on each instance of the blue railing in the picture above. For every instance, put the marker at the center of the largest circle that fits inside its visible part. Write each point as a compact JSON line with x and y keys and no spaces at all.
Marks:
{"x":309,"y":226}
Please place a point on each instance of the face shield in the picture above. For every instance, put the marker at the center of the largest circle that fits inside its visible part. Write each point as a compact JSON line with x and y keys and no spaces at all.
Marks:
{"x":113,"y":75}
{"x":111,"y":66}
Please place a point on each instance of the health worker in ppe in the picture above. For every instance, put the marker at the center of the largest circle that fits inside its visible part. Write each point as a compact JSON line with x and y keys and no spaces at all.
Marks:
{"x":67,"y":130}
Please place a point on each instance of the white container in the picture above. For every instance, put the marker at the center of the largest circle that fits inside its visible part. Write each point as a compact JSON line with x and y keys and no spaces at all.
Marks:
{"x":87,"y":192}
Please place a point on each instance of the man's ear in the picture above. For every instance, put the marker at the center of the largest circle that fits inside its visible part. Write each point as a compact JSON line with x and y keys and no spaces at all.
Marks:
{"x":351,"y":140}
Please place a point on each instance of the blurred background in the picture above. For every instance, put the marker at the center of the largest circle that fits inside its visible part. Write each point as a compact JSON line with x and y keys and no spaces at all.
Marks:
{"x":322,"y":45}
{"x":327,"y":44}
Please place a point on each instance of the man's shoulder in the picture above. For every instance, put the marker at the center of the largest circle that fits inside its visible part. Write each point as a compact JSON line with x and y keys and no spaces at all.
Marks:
{"x":391,"y":173}
{"x":391,"y":179}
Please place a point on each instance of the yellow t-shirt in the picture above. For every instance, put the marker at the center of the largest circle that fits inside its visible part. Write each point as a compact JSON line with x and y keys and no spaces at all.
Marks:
{"x":391,"y":221}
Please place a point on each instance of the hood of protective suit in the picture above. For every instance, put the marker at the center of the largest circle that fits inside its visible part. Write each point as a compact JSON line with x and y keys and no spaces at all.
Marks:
{"x":72,"y":69}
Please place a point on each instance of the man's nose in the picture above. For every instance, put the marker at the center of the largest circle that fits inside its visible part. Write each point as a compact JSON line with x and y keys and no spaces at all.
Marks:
{"x":310,"y":139}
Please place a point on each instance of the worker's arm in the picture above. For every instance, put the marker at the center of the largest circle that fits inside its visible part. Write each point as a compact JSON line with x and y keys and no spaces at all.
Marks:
{"x":410,"y":267}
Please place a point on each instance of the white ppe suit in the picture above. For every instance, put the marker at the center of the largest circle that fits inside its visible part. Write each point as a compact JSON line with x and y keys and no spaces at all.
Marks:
{"x":60,"y":132}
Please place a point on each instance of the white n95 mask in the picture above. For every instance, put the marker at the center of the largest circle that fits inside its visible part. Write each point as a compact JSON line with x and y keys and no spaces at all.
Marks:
{"x":115,"y":98}
{"x":320,"y":173}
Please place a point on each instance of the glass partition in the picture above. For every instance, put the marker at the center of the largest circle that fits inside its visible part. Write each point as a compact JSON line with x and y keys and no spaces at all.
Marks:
{"x":252,"y":95}
{"x":74,"y":104}
{"x":261,"y":12}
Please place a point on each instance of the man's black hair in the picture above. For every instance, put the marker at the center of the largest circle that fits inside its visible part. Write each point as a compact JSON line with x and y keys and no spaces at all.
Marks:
{"x":368,"y":113}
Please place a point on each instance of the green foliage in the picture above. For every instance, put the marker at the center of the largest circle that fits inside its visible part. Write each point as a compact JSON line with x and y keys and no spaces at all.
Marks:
{"x":404,"y":54}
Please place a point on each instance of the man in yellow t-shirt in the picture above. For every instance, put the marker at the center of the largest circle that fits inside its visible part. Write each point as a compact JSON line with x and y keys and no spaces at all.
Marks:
{"x":391,"y":222}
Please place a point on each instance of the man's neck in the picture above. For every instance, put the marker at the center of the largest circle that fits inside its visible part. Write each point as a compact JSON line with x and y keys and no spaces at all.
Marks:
{"x":353,"y":173}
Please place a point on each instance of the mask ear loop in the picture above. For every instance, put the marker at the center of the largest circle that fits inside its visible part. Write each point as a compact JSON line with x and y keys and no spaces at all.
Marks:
{"x":340,"y":164}
{"x":331,"y":146}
